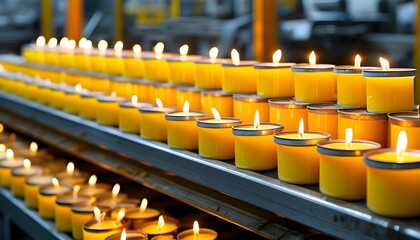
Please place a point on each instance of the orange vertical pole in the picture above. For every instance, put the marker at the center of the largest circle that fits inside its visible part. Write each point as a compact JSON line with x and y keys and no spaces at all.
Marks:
{"x":46,"y":19}
{"x":74,"y":25}
{"x":265,"y":29}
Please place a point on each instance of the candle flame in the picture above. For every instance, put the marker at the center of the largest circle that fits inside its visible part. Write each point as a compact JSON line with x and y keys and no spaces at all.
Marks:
{"x":102,"y":46}
{"x":116,"y":190}
{"x":113,"y":94}
{"x":234,"y":54}
{"x":10,"y":155}
{"x":71,"y":44}
{"x":40,"y":41}
{"x":256,"y":119}
{"x":87,"y":46}
{"x":196,"y":229}
{"x":118,"y":47}
{"x":277,"y":56}
{"x":33,"y":148}
{"x":301,"y":128}
{"x":159,"y":47}
{"x":55,"y":183}
{"x":186,"y":108}
{"x":216,"y":114}
{"x":26,"y":164}
{"x":349,"y":137}
{"x":64,"y":42}
{"x":98,"y":215}
{"x":82,"y":42}
{"x":78,"y":88}
{"x":161,"y":223}
{"x":401,"y":145}
{"x":357,"y":61}
{"x":134,"y":100}
{"x":214,"y":51}
{"x":70,"y":168}
{"x":159,"y":103}
{"x":384,"y":64}
{"x":76,"y":190}
{"x":123,"y":235}
{"x":183,"y":51}
{"x":52,"y":43}
{"x":312,"y":59}
{"x":137,"y":50}
{"x":143,"y":206}
{"x":120,"y":216}
{"x":1,"y":125}
{"x":92,"y":180}
{"x":2,"y":148}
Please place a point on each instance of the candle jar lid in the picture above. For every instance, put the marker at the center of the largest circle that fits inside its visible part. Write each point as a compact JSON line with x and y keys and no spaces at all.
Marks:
{"x":316,"y":68}
{"x":67,"y":199}
{"x":87,"y":226}
{"x":405,"y":119}
{"x":17,"y":162}
{"x":216,"y":93}
{"x":44,"y":84}
{"x":130,"y":234}
{"x":21,"y":171}
{"x":85,"y":208}
{"x":39,"y":180}
{"x":188,"y":58}
{"x":204,"y":122}
{"x":133,"y":213}
{"x":241,"y":64}
{"x":324,"y":149}
{"x":167,"y":219}
{"x":90,"y":94}
{"x":360,"y":114}
{"x":249,"y":98}
{"x":141,"y":81}
{"x":210,"y":61}
{"x":270,"y":65}
{"x":128,"y":104}
{"x":164,"y":85}
{"x":56,"y":87}
{"x":120,"y":79}
{"x":50,"y":190}
{"x":156,"y":109}
{"x":107,"y":98}
{"x":188,"y":88}
{"x":369,"y":159}
{"x":286,"y":103}
{"x":327,"y":108}
{"x":153,"y":56}
{"x":181,"y":116}
{"x":163,"y":237}
{"x":249,"y":130}
{"x":393,"y":72}
{"x":349,"y":69}
{"x":279,"y":139}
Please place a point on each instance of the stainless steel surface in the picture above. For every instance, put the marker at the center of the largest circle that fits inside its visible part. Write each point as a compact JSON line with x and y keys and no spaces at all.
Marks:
{"x":351,"y":220}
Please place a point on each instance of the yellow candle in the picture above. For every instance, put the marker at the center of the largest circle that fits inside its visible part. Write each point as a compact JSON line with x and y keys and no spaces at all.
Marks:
{"x":155,"y":67}
{"x":384,"y":89}
{"x":90,"y":104}
{"x":139,"y":215}
{"x":50,"y":54}
{"x":297,"y":157}
{"x":133,"y":65}
{"x":215,"y":139}
{"x":153,"y":125}
{"x":129,"y":116}
{"x":129,"y":235}
{"x":143,"y":90}
{"x":222,"y":101}
{"x":288,"y":112}
{"x":408,"y":122}
{"x":342,"y":172}
{"x":392,"y":188}
{"x":166,"y":92}
{"x":323,"y":117}
{"x":95,"y":231}
{"x":169,"y":226}
{"x":42,"y":93}
{"x":182,"y":72}
{"x":82,"y":61}
{"x":367,"y":126}
{"x":239,"y":78}
{"x":6,"y":167}
{"x":275,"y":80}
{"x":57,"y":96}
{"x":190,"y":94}
{"x":182,"y":129}
{"x":72,"y":100}
{"x":107,"y":110}
{"x":19,"y":176}
{"x":62,"y":210}
{"x":46,"y":200}
{"x":209,"y":73}
{"x":101,"y":83}
{"x":80,"y":213}
{"x":94,"y":190}
{"x":197,"y":233}
{"x":31,"y":188}
{"x":114,"y":61}
{"x":245,"y":105}
{"x":122,"y":87}
{"x":31,"y":90}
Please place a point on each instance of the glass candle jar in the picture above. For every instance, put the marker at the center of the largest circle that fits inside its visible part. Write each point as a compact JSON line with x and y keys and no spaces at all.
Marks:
{"x":404,"y":121}
{"x":240,"y":78}
{"x":190,"y":94}
{"x":183,"y":130}
{"x":219,"y":100}
{"x":288,"y":112}
{"x":275,"y":80}
{"x":323,"y":117}
{"x":245,"y":105}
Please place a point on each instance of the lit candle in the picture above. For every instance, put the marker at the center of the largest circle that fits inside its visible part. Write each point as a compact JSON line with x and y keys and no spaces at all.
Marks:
{"x":209,"y":71}
{"x":100,"y":83}
{"x":51,"y":57}
{"x":275,"y":79}
{"x":133,"y":65}
{"x":128,"y":235}
{"x":219,"y":100}
{"x":62,"y":208}
{"x":66,"y":54}
{"x":107,"y":109}
{"x":101,"y":227}
{"x":20,"y":174}
{"x":97,"y":59}
{"x":129,"y":115}
{"x":114,"y":62}
{"x":342,"y":173}
{"x":47,"y":196}
{"x":88,"y":109}
{"x":245,"y":105}
{"x":153,"y":125}
{"x":408,"y":122}
{"x":215,"y":139}
{"x":31,"y":188}
{"x":190,"y":94}
{"x":166,"y":92}
{"x":105,"y":200}
{"x":314,"y":82}
{"x":35,"y":54}
{"x":122,"y":86}
{"x":6,"y":167}
{"x":239,"y":76}
{"x":392,"y":177}
{"x":93,"y":188}
{"x":366,"y":125}
{"x":182,"y":128}
{"x":41,"y":94}
{"x":143,"y":89}
{"x":288,"y":112}
{"x":72,"y":175}
{"x":72,"y":100}
{"x":141,"y":214}
{"x":197,"y":233}
{"x":56,"y":96}
{"x":162,"y":226}
{"x":297,"y":157}
{"x":182,"y":68}
{"x":82,"y":56}
{"x":80,"y":213}
{"x":156,"y":68}
{"x":254,"y":145}
{"x":384,"y":88}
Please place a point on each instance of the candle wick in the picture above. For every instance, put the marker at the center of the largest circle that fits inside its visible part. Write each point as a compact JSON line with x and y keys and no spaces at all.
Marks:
{"x":301,"y":135}
{"x":348,"y":144}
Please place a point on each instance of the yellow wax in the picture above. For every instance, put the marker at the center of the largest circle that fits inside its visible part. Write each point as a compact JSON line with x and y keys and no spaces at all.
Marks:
{"x":255,"y":152}
{"x":42,"y":95}
{"x":138,"y":218}
{"x":85,"y":81}
{"x":351,"y":90}
{"x":46,"y":205}
{"x":51,"y":58}
{"x":56,"y":99}
{"x":114,"y":65}
{"x":353,"y":146}
{"x":275,"y":82}
{"x":97,"y":63}
{"x":384,"y":94}
{"x":133,"y":67}
{"x":129,"y":119}
{"x":18,"y":179}
{"x":31,"y":91}
{"x":193,"y":97}
{"x":107,"y":113}
{"x":77,"y":221}
{"x":66,"y":60}
{"x":375,"y":130}
{"x":6,"y":167}
{"x":20,"y":88}
{"x":123,"y":89}
{"x":88,"y":109}
{"x":151,"y":228}
{"x":208,"y":75}
{"x":216,"y":143}
{"x":201,"y":236}
{"x":143,"y":91}
{"x":63,"y":214}
{"x":102,"y":231}
{"x":72,"y":103}
{"x":322,"y":122}
{"x":101,"y":84}
{"x":156,"y":70}
{"x":182,"y":134}
{"x":223,"y":104}
{"x":181,"y":73}
{"x":239,"y":79}
{"x":82,"y":61}
{"x":166,"y":93}
{"x":289,"y":117}
{"x":246,"y":110}
{"x":30,"y":195}
{"x":315,"y":87}
{"x":33,"y":55}
{"x":413,"y":135}
{"x":153,"y":126}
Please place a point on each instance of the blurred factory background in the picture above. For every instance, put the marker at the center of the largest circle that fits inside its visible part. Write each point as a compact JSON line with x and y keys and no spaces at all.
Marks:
{"x":335,"y":29}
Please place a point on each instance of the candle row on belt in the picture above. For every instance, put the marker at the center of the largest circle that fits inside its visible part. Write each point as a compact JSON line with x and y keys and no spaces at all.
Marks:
{"x":85,"y":208}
